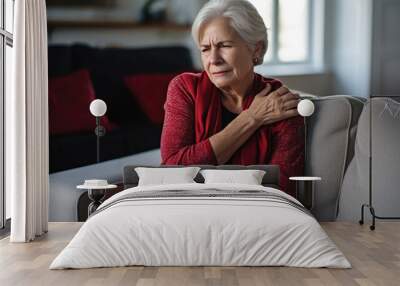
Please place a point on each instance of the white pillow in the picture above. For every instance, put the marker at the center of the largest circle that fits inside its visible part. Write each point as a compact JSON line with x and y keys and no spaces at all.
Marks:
{"x":248,"y":177}
{"x":163,"y":176}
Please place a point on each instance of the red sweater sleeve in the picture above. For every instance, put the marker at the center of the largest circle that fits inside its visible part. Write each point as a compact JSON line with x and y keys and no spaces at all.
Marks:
{"x":178,"y":146}
{"x":288,"y":151}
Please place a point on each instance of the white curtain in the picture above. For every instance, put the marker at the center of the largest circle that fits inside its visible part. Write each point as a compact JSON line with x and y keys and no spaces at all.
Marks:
{"x":27,"y":124}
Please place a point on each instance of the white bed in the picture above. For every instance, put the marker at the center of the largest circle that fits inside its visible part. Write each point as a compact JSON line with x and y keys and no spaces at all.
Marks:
{"x":183,"y":230}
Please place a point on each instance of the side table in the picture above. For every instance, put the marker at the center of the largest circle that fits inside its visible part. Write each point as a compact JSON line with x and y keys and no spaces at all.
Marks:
{"x":305,"y":190}
{"x":96,"y":192}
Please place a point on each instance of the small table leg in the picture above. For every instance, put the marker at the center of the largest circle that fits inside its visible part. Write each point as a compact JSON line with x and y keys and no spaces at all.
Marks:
{"x":96,"y":196}
{"x":305,"y":193}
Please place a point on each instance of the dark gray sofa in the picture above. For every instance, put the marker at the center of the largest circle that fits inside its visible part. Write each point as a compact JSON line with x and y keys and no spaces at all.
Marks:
{"x":134,"y":132}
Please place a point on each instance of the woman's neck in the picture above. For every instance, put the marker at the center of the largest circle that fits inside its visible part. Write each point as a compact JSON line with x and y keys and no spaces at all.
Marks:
{"x":233,"y":96}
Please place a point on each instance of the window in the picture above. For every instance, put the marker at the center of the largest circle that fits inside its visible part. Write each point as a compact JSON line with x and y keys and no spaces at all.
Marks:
{"x":6,"y":60}
{"x":294,"y":34}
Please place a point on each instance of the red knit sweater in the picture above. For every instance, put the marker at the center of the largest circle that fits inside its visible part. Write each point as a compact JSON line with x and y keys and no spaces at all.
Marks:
{"x":179,"y":147}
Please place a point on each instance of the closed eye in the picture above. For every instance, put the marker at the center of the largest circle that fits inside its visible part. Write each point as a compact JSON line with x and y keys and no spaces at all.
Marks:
{"x":225,"y":44}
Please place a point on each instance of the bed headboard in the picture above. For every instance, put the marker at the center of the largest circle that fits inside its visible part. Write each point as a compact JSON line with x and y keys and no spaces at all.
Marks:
{"x":270,"y":179}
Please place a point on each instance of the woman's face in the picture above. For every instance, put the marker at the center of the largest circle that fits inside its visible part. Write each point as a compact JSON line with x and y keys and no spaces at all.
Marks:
{"x":225,"y":56}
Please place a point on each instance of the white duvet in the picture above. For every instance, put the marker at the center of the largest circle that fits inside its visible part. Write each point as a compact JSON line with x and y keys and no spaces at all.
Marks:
{"x":200,"y":231}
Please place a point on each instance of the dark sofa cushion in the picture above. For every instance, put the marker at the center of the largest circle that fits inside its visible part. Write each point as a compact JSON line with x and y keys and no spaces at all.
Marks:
{"x":108,"y":67}
{"x":69,"y":100}
{"x":150,"y":92}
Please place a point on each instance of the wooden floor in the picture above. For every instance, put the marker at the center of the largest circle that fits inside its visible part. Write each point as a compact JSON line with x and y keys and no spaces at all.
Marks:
{"x":375,"y":256}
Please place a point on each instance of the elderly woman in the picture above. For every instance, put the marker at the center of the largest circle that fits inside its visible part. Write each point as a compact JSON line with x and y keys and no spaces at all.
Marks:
{"x":228,"y":114}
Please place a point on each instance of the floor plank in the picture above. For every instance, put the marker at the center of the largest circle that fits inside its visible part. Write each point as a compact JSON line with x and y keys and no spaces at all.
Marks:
{"x":374,"y":255}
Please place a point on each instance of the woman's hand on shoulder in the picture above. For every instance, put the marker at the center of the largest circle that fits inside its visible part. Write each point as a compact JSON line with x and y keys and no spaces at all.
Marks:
{"x":269,"y":107}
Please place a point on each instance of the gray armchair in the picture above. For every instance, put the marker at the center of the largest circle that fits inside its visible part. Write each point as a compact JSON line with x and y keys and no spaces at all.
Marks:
{"x":331,"y":133}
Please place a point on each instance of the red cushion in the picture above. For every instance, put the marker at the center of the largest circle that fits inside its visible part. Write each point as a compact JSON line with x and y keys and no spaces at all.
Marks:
{"x":69,"y":100}
{"x":150,"y":91}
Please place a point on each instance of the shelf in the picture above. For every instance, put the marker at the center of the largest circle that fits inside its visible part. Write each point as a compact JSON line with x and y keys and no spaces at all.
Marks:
{"x":114,"y":25}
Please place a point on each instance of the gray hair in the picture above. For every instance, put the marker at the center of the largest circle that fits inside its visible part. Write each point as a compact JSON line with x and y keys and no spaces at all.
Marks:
{"x":243,"y":16}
